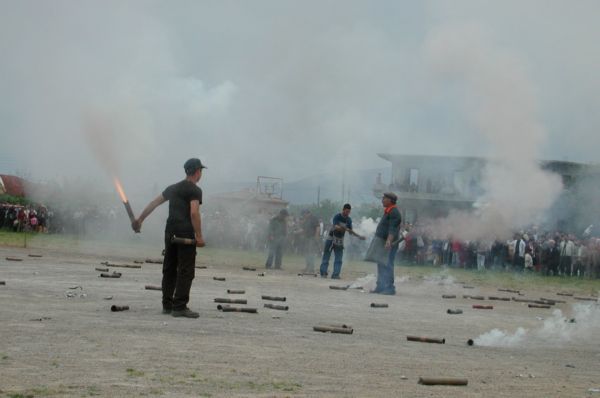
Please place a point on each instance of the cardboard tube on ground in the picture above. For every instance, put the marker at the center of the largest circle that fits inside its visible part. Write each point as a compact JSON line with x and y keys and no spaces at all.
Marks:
{"x":231,"y":301}
{"x":379,"y":305}
{"x":277,"y":307}
{"x":338,"y":287}
{"x":226,"y":308}
{"x":426,"y":339}
{"x":333,"y":329}
{"x":113,"y":275}
{"x":442,"y":381}
{"x":273,"y":298}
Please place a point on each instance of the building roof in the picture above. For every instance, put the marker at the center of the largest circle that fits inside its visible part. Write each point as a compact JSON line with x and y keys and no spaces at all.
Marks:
{"x":12,"y":185}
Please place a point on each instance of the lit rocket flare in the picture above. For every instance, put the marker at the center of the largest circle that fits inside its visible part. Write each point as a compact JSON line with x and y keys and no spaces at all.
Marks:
{"x":124,"y":199}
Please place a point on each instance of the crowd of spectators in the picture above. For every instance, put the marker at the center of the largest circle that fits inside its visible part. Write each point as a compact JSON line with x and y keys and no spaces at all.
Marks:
{"x":552,"y":253}
{"x":19,"y":218}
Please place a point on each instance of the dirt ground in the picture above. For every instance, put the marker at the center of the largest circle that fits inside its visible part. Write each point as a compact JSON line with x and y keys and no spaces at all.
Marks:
{"x":55,"y":345}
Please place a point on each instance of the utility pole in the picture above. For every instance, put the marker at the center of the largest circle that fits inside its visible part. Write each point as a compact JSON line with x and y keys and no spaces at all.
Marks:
{"x":344,"y":178}
{"x":319,"y":196}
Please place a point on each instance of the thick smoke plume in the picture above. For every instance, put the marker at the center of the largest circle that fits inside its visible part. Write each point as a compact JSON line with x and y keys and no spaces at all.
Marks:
{"x":501,"y":106}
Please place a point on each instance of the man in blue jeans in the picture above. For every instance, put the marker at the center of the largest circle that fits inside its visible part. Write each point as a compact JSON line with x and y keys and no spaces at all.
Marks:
{"x":335,"y":242}
{"x":388,"y":229}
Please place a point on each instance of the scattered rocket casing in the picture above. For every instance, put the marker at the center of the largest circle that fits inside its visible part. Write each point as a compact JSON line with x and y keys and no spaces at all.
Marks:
{"x":442,"y":381}
{"x":538,"y":306}
{"x":129,"y":211}
{"x":116,"y":308}
{"x":519,"y":300}
{"x":276,"y":307}
{"x":552,"y":300}
{"x":426,"y":339}
{"x":468,"y":287}
{"x":183,"y":241}
{"x":510,"y":291}
{"x":333,"y":329}
{"x":231,"y":301}
{"x":340,"y":325}
{"x":201,"y":266}
{"x":151,"y":261}
{"x":499,"y":298}
{"x":101,"y":269}
{"x":219,"y":278}
{"x":483,"y":307}
{"x":448,"y":296}
{"x":564,"y":294}
{"x":585,"y":298}
{"x":542,"y":302}
{"x":248,"y":269}
{"x":138,"y":262}
{"x":13,"y":259}
{"x":273,"y":298}
{"x":454,"y":312}
{"x":152,"y":287}
{"x":35,"y":255}
{"x":226,"y":308}
{"x":338,"y":287}
{"x":307,"y":274}
{"x":113,"y":275}
{"x":473,"y":297}
{"x":123,"y":265}
{"x":379,"y":305}
{"x":233,"y":291}
{"x":261,"y":274}
{"x":3,"y":283}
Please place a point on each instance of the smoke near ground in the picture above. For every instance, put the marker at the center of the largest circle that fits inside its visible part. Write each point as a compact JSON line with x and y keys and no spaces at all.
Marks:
{"x":583,"y":324}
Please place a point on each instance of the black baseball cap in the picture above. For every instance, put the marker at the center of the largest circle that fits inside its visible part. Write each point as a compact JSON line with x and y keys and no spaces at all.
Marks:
{"x":191,"y":165}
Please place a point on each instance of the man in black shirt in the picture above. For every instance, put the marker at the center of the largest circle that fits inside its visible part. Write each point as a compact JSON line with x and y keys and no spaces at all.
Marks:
{"x":185,"y":198}
{"x":277,"y":235}
{"x":311,"y":236}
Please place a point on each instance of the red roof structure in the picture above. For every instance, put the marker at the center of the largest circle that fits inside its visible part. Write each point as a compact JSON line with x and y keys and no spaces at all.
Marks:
{"x":12,"y":185}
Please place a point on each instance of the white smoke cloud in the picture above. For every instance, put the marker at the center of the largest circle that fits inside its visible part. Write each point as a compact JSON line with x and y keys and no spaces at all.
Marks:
{"x":254,"y":92}
{"x":559,"y":329}
{"x":500,"y":102}
{"x":366,"y":227}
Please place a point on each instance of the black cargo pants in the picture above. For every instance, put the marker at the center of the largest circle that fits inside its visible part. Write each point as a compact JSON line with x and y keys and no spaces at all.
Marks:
{"x":178,"y":272}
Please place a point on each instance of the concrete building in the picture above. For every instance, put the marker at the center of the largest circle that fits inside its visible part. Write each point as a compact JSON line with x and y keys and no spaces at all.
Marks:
{"x":431,"y":186}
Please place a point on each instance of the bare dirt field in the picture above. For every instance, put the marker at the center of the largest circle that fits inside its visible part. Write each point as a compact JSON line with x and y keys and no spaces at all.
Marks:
{"x":59,"y":338}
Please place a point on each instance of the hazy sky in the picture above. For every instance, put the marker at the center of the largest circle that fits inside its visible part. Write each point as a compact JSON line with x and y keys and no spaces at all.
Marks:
{"x":285,"y":88}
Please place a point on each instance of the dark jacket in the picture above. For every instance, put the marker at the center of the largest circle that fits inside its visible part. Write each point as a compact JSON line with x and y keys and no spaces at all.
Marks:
{"x":389,"y":224}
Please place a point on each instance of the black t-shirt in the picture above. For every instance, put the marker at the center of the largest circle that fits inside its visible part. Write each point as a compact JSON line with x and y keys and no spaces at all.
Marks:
{"x":309,"y":225}
{"x":179,"y":196}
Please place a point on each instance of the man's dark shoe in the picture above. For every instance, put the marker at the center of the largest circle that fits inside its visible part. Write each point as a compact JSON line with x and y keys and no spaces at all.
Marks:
{"x":375,"y":291}
{"x":166,"y":310}
{"x":185,"y":313}
{"x":388,"y":292}
{"x":335,"y":277}
{"x":323,"y":275}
